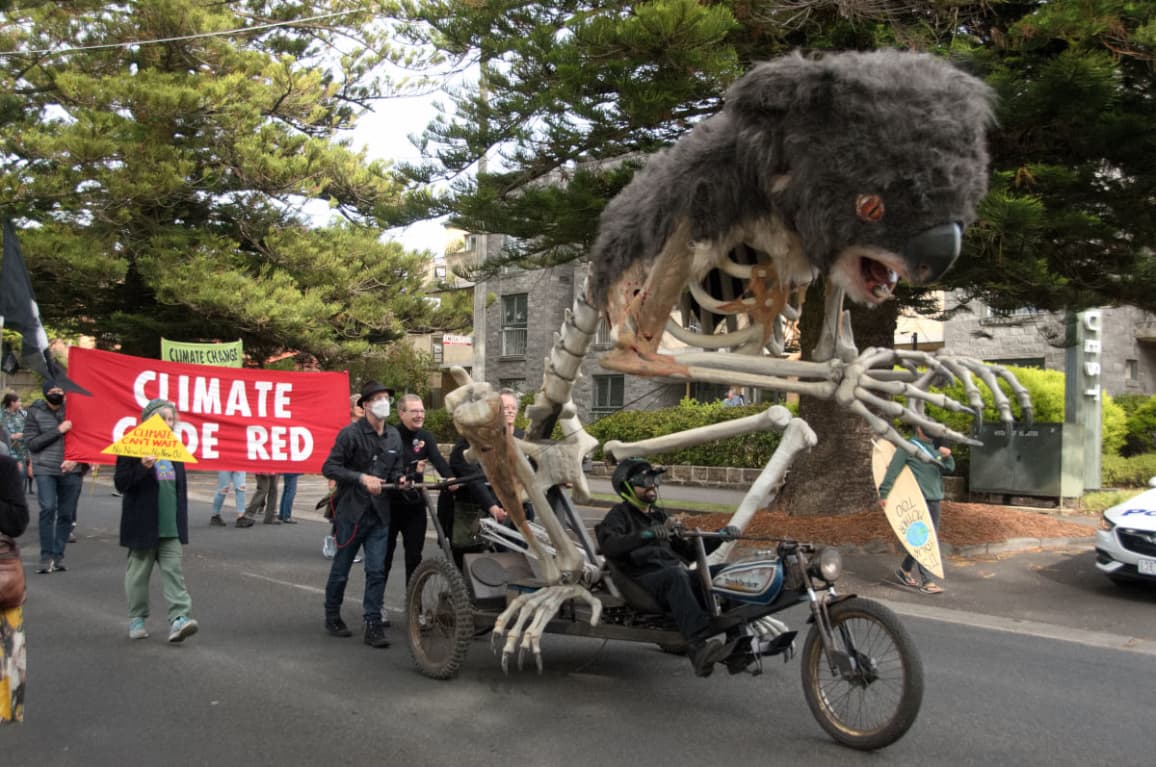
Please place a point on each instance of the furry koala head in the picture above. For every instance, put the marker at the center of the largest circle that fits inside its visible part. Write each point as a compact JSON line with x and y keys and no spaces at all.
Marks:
{"x":872,"y":162}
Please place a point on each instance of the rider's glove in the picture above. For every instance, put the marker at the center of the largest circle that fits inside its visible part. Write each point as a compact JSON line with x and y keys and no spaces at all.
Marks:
{"x":657,"y":533}
{"x":729,"y":533}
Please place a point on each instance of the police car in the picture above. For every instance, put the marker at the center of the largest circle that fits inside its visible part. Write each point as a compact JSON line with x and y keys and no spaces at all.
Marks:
{"x":1126,"y":540}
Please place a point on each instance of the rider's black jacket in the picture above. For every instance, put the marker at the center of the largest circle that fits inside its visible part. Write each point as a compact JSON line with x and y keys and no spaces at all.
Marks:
{"x":620,"y":539}
{"x":360,"y":450}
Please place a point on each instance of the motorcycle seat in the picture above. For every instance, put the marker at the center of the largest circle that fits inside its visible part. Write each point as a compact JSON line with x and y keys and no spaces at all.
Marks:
{"x":634,"y":595}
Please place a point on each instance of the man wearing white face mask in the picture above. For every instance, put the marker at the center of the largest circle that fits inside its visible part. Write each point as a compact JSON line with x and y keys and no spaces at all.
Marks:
{"x":366,"y":457}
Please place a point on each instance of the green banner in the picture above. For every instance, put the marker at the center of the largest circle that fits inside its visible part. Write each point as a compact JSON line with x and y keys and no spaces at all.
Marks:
{"x":224,"y":355}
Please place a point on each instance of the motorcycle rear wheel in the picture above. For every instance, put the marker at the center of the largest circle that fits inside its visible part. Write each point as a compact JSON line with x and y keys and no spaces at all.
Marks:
{"x":872,"y":699}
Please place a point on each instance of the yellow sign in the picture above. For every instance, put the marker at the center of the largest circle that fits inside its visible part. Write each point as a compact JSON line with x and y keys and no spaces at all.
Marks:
{"x":907,"y":512}
{"x":153,"y":437}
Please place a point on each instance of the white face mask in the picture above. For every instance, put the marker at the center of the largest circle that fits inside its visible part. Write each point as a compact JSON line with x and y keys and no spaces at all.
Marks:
{"x":379,"y":408}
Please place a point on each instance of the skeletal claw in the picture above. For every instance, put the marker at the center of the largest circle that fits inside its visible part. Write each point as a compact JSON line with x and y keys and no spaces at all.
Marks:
{"x":505,"y":663}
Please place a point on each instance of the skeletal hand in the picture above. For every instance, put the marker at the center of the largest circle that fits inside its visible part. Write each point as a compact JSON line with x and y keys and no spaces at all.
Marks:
{"x":870,"y":383}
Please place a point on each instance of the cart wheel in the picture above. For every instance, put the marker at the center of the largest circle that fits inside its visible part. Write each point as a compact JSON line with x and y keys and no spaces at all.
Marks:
{"x":440,"y":618}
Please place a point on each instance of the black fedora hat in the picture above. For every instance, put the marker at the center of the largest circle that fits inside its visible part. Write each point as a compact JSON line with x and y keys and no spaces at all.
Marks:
{"x":370,"y":388}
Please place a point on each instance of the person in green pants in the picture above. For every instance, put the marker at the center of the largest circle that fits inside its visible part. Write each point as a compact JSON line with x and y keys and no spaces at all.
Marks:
{"x":154,"y":524}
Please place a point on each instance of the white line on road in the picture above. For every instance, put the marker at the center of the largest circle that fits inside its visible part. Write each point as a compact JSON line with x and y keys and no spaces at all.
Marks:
{"x":312,"y":589}
{"x":1029,"y":628}
{"x":291,"y":584}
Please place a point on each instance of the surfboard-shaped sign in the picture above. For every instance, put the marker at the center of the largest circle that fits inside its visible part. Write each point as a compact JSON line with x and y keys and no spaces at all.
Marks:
{"x":907,"y":512}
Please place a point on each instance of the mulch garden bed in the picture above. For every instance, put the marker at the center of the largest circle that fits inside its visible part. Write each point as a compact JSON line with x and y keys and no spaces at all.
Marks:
{"x":962,"y":524}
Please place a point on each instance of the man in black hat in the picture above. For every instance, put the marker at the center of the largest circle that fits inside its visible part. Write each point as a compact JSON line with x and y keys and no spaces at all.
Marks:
{"x":366,"y":457}
{"x":636,"y":536}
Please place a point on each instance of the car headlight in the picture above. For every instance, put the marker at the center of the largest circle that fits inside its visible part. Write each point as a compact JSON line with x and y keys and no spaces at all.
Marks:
{"x":828,"y":565}
{"x":1106,"y":524}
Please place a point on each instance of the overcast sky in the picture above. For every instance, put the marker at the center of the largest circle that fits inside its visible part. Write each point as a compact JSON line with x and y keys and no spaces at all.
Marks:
{"x":385,"y":135}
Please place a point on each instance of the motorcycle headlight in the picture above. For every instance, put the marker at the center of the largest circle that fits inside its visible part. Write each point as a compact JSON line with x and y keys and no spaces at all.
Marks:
{"x":828,"y":565}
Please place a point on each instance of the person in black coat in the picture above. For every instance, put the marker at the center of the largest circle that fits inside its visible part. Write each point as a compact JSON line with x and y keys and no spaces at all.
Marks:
{"x":407,"y":508}
{"x":636,"y":536}
{"x":154,"y":524}
{"x":13,"y":507}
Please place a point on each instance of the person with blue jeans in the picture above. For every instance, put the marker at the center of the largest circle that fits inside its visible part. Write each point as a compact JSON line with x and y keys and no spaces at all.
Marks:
{"x":225,"y":480}
{"x":154,"y":525}
{"x":58,"y":481}
{"x":366,"y":457}
{"x":288,"y":495}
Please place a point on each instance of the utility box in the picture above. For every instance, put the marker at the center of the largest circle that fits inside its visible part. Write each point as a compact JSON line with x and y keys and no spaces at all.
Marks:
{"x":1027,"y":460}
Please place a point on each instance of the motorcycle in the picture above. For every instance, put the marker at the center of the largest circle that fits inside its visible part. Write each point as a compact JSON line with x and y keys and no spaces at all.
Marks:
{"x":862,"y":675}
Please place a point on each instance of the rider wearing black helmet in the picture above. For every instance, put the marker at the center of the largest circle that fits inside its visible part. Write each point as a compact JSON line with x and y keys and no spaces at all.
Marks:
{"x":636,"y":536}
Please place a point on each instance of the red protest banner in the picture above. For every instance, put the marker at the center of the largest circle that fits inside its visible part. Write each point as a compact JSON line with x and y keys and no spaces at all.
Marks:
{"x":239,"y":419}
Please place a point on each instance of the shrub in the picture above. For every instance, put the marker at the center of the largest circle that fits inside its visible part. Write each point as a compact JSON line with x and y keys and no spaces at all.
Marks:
{"x":1117,"y":471}
{"x":1141,"y":425}
{"x":441,"y":424}
{"x":748,"y":451}
{"x":1046,"y":389}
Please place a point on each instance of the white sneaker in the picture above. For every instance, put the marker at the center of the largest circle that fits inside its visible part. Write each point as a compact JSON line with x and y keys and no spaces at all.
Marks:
{"x":182,"y":628}
{"x":136,"y":629}
{"x":329,"y":547}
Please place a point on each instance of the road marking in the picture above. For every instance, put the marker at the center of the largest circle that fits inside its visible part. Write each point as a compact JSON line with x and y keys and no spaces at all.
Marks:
{"x":1028,"y":628}
{"x":290,"y":584}
{"x":311,"y":589}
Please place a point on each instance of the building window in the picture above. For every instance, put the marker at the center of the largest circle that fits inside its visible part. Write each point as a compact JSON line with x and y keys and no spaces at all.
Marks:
{"x":707,"y":392}
{"x":514,"y":384}
{"x":608,"y":395}
{"x":1131,"y":371}
{"x":602,"y":339}
{"x":514,"y":314}
{"x":470,"y":243}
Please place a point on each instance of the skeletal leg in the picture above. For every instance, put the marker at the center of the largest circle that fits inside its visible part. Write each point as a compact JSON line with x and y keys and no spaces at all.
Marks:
{"x":797,"y":438}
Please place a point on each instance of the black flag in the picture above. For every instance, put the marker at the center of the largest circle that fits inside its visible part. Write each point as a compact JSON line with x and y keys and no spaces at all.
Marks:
{"x":18,"y":311}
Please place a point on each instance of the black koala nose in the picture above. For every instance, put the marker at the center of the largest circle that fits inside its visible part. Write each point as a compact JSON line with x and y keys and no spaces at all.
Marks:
{"x":931,"y":253}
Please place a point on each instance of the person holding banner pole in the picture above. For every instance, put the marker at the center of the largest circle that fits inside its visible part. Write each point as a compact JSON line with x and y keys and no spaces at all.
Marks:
{"x":58,"y":481}
{"x":226,"y":480}
{"x":264,"y":501}
{"x":366,"y":457}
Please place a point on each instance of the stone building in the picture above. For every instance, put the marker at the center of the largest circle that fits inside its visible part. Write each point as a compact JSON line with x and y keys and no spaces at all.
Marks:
{"x":1036,"y":339}
{"x":521,"y":312}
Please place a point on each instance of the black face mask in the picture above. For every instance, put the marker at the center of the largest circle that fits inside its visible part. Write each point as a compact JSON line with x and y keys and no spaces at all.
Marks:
{"x":55,"y":399}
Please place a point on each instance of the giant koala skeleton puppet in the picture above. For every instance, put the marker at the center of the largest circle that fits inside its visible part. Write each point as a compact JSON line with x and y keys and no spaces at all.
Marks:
{"x":860,"y":168}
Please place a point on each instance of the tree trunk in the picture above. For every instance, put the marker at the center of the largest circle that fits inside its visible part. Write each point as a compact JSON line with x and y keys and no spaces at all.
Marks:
{"x":835,"y":477}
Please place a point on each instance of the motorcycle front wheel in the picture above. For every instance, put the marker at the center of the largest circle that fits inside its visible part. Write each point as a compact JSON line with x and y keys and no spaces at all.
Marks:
{"x":440,"y":619}
{"x":867,"y":688}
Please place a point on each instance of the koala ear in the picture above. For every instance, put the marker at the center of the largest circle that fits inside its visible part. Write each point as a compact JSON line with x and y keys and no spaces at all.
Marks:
{"x":776,"y":87}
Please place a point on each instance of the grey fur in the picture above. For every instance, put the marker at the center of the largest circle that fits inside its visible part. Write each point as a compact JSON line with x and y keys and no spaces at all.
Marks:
{"x":907,"y":126}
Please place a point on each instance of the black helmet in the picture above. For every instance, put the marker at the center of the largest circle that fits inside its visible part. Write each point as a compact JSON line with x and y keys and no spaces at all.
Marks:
{"x":634,"y":472}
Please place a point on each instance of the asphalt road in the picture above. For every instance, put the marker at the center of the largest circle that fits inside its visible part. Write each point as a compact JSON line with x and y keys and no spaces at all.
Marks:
{"x":262,"y":684}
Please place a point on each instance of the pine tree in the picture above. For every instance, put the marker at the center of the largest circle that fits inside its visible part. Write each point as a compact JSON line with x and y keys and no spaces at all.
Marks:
{"x":169,"y":160}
